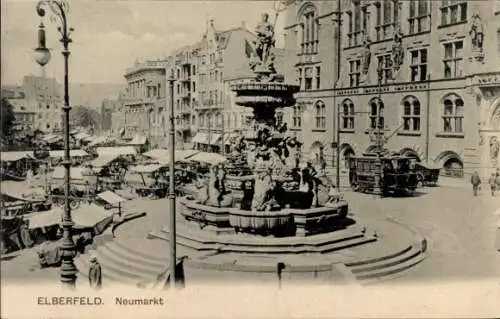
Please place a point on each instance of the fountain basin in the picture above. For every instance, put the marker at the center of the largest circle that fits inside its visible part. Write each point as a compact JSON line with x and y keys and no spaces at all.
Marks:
{"x":287,"y":221}
{"x":264,"y":94}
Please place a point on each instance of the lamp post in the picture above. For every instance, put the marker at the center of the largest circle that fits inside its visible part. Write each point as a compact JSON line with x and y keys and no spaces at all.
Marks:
{"x":171,"y":185}
{"x":60,"y":9}
{"x":378,"y":138}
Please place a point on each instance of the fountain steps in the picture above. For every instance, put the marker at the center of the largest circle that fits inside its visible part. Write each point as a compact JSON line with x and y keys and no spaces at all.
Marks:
{"x":197,"y":239}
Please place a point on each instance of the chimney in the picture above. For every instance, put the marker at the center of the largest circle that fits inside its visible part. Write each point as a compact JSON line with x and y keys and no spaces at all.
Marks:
{"x":243,"y":25}
{"x":212,"y":23}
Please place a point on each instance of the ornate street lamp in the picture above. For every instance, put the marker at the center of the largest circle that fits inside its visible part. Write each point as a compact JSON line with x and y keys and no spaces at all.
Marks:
{"x":59,"y":9}
{"x":378,"y":137}
{"x":171,"y":186}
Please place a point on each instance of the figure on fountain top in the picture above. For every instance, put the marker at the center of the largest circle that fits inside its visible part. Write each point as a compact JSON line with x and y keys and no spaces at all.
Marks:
{"x":262,"y":63}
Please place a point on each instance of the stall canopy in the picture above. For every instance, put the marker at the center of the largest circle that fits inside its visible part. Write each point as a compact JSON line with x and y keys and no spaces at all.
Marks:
{"x":229,"y":138}
{"x":180,"y":156}
{"x":138,"y":140}
{"x":209,"y":158}
{"x":215,"y":138}
{"x":102,"y":161}
{"x":89,"y":215}
{"x":157,"y":153}
{"x":72,"y":153}
{"x":140,"y":169}
{"x":116,"y":151}
{"x":200,"y":138}
{"x":45,"y":219}
{"x":15,"y":156}
{"x":111,"y":198}
{"x":76,"y":172}
{"x":81,"y":136}
{"x":101,"y":140}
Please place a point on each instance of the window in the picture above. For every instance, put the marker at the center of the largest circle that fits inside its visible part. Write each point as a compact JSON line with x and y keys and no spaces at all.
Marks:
{"x":347,"y":115}
{"x":453,"y":56}
{"x":411,"y":115}
{"x":453,"y":114}
{"x":355,"y":27}
{"x":309,"y":44}
{"x":194,"y":87}
{"x":47,"y":125}
{"x":178,"y":105}
{"x":297,"y":116}
{"x":178,"y":89}
{"x":453,"y":12}
{"x":354,"y":73}
{"x":48,"y":106}
{"x":376,"y":110}
{"x":194,"y":69}
{"x":385,"y":62}
{"x":299,"y":77}
{"x":318,"y":77}
{"x":387,"y":15}
{"x":419,"y":16}
{"x":308,"y":77}
{"x":418,"y":66}
{"x":178,"y":73}
{"x":320,"y":115}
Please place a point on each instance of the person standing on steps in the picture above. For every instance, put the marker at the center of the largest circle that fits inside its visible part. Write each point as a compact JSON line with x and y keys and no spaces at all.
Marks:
{"x":95,"y":274}
{"x":475,"y":180}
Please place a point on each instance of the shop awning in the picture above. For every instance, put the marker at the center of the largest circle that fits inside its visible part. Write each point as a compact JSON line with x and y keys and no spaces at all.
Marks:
{"x":215,"y":138}
{"x":146,"y":168}
{"x":89,"y":215}
{"x":157,"y":153}
{"x":111,"y":198}
{"x":81,"y":136}
{"x":15,"y":156}
{"x":180,"y":155}
{"x":72,"y":153}
{"x":210,"y":158}
{"x":102,"y":161}
{"x":53,"y":140}
{"x":116,"y":151}
{"x":138,"y":140}
{"x":76,"y":172}
{"x":45,"y":219}
{"x":200,"y":138}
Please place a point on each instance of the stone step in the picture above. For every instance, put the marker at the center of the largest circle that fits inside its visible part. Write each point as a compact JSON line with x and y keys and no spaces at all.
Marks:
{"x":378,"y":275}
{"x":401,"y":272}
{"x":141,"y":253}
{"x":189,"y":232}
{"x":121,"y":269}
{"x":107,"y":273}
{"x":144,"y":268}
{"x":377,"y":259}
{"x":133,"y":256}
{"x":347,"y":242}
{"x":387,"y":263}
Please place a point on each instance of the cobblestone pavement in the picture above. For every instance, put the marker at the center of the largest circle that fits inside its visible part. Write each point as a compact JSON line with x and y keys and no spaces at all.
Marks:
{"x":459,"y":227}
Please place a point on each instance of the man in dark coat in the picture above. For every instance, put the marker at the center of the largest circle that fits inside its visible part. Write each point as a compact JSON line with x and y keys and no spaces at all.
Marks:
{"x":475,"y":180}
{"x":95,"y":274}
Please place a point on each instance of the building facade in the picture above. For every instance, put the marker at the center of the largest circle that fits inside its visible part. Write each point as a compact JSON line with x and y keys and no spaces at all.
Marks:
{"x":108,"y":108}
{"x":37,"y":104}
{"x":412,"y":63}
{"x":144,"y":102}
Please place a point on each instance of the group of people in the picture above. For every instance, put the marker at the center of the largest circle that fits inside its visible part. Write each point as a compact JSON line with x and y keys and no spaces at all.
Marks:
{"x":493,"y":181}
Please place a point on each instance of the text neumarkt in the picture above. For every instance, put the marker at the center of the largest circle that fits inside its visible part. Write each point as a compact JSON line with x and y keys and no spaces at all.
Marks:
{"x":156,"y":301}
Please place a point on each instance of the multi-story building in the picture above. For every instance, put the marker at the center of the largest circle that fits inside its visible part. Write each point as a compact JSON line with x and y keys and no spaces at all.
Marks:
{"x":412,"y":63}
{"x":108,"y":108}
{"x":37,"y":104}
{"x":222,"y":60}
{"x":144,"y":102}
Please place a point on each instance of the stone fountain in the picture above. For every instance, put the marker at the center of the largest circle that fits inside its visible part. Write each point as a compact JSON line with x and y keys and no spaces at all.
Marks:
{"x":277,"y":196}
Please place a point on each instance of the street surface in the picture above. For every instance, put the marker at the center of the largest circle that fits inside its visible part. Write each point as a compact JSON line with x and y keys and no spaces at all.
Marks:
{"x":459,"y":227}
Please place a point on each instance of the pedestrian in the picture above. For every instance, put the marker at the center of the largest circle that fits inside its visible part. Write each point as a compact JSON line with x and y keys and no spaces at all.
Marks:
{"x":95,"y":274}
{"x":493,"y":183}
{"x":475,"y":180}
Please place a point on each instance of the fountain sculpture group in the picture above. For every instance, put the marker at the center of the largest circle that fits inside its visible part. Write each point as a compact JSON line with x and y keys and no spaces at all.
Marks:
{"x":265,"y":189}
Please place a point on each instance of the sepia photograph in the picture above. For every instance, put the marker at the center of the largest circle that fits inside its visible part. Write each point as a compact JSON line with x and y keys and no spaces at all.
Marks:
{"x":151,"y":147}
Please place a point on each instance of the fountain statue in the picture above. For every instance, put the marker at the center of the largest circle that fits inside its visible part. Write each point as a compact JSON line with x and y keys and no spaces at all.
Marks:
{"x":263,"y":190}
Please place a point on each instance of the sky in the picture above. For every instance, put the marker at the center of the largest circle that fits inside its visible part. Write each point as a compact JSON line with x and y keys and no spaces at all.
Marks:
{"x":110,"y":35}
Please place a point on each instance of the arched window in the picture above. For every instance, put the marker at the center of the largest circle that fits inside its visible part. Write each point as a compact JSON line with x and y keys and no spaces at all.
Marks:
{"x":310,"y":28}
{"x":411,"y":114}
{"x":297,"y":116}
{"x":357,"y":24}
{"x":376,"y":110}
{"x":453,"y":108}
{"x":347,"y":115}
{"x":320,"y":115}
{"x":387,"y":15}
